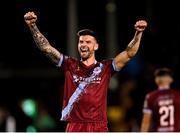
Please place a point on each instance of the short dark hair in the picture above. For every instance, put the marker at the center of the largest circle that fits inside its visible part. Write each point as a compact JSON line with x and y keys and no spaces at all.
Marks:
{"x":87,"y":32}
{"x":163,"y":72}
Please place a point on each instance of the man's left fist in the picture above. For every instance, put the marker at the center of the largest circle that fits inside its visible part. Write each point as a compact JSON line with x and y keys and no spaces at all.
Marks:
{"x":140,"y":25}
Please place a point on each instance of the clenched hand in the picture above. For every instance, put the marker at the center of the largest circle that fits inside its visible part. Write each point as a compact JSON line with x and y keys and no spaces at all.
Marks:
{"x":140,"y":25}
{"x":30,"y":18}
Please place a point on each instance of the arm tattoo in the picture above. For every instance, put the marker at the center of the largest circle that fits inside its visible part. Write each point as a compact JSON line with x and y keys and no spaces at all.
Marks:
{"x":44,"y":45}
{"x":53,"y":54}
{"x":132,"y":43}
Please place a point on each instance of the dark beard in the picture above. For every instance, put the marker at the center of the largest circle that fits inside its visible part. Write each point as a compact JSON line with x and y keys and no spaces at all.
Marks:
{"x":83,"y":59}
{"x":84,"y":52}
{"x":86,"y":56}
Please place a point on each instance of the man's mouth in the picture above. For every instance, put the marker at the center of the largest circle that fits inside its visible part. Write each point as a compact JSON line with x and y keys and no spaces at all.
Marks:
{"x":84,"y":49}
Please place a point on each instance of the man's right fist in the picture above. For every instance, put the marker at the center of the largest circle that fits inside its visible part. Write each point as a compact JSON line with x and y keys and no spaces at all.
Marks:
{"x":30,"y":18}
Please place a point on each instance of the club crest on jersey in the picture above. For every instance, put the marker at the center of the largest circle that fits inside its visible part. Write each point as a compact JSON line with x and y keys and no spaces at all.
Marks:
{"x":97,"y":70}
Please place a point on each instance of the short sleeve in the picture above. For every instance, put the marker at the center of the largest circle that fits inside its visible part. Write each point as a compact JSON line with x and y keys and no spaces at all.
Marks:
{"x":66,"y":62}
{"x":60,"y":60}
{"x":114,"y":66}
{"x":147,"y":106}
{"x":109,"y":63}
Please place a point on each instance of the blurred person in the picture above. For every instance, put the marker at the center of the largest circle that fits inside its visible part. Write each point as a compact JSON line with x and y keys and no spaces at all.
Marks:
{"x":161,"y":106}
{"x":86,"y":80}
{"x":7,"y":121}
{"x":44,"y":122}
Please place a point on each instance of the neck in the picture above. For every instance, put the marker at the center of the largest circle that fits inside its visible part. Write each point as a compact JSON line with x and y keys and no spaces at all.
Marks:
{"x":163,"y":87}
{"x":89,"y":61}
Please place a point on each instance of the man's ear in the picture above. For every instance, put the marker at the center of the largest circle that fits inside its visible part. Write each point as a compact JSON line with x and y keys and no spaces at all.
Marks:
{"x":171,"y":80}
{"x":96,"y":46}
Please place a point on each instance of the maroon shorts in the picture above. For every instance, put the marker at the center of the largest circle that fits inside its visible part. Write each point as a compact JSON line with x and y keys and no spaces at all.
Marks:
{"x":87,"y":127}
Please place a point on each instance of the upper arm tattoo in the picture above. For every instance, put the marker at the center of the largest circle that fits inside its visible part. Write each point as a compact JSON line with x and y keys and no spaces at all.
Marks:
{"x":44,"y":45}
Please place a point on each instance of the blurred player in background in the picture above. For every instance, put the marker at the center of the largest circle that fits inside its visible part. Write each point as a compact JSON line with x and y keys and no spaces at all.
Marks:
{"x":86,"y":80}
{"x":162,"y":106}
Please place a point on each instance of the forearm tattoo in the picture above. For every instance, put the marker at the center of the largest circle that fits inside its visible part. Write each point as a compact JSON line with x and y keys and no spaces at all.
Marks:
{"x":44,"y":45}
{"x":131,"y":44}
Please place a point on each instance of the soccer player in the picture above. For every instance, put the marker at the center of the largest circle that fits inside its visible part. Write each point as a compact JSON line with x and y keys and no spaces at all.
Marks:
{"x":86,"y":80}
{"x":161,"y":107}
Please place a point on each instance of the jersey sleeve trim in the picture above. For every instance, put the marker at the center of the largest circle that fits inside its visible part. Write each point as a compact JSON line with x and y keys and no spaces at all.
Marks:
{"x":60,"y":61}
{"x":147,"y":111}
{"x":114,"y":66}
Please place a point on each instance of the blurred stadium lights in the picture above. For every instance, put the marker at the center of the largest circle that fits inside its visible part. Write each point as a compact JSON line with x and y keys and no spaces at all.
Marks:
{"x":31,"y":128}
{"x":29,"y":107}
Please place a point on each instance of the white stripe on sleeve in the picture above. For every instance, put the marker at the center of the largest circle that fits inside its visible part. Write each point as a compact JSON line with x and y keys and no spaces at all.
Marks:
{"x":60,"y":61}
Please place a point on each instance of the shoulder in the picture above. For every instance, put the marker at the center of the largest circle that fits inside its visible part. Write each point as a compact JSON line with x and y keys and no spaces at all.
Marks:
{"x":107,"y":61}
{"x":152,"y":94}
{"x":177,"y":92}
{"x":70,"y":59}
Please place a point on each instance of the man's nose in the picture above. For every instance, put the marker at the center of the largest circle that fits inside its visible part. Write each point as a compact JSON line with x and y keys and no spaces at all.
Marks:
{"x":83,"y":44}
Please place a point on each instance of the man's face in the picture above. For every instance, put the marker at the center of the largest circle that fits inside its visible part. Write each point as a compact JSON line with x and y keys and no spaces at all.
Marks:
{"x":87,"y":46}
{"x":165,"y":80}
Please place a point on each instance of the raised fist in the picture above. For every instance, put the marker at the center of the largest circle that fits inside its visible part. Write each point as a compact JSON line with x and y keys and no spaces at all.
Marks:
{"x":140,"y":25}
{"x":30,"y":18}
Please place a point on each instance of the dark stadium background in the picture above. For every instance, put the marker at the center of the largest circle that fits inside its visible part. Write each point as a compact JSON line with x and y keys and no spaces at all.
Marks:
{"x":26,"y":73}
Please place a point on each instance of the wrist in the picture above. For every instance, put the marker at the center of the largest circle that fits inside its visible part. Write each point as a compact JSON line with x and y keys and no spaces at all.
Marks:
{"x":31,"y":24}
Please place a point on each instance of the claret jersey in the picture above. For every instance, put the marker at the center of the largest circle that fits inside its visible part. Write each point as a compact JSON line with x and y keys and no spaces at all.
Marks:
{"x":85,"y":89}
{"x":165,"y":108}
